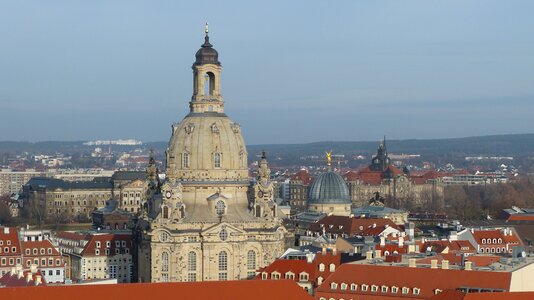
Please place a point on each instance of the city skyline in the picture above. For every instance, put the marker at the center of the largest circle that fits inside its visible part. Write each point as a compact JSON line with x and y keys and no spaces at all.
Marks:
{"x":292,"y":73}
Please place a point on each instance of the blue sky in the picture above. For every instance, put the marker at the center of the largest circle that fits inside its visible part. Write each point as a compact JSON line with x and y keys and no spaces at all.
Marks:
{"x":293,"y":71}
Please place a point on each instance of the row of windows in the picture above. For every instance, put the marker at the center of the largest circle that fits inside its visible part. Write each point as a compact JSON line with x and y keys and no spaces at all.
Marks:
{"x":41,"y":251}
{"x":217,"y":158}
{"x":493,"y":250}
{"x":331,"y":267}
{"x":222,"y":264}
{"x":375,"y":288}
{"x":6,"y":250}
{"x":43,"y":262}
{"x":490,"y":241}
{"x":108,"y":244}
{"x":108,"y":251}
{"x":8,"y":242}
{"x":303,"y":276}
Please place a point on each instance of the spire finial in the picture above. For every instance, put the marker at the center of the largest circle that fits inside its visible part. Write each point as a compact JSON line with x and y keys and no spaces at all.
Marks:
{"x":206,"y":28}
{"x":329,"y":159}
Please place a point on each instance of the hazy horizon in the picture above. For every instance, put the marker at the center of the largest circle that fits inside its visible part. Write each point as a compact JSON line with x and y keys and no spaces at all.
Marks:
{"x":296,"y":72}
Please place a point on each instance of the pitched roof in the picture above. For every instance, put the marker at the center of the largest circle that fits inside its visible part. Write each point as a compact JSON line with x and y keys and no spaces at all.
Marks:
{"x":497,"y":234}
{"x":302,"y":175}
{"x":13,"y":280}
{"x":208,"y":290}
{"x":401,"y":276}
{"x":349,"y":225}
{"x":9,"y":234}
{"x":45,"y":244}
{"x":457,"y":295}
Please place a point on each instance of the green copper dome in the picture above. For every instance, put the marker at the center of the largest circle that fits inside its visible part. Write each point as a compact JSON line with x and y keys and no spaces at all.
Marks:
{"x":328,"y":188}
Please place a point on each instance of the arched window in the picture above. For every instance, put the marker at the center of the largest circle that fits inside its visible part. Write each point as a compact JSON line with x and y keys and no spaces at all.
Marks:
{"x":251,"y":260}
{"x":217,"y":160}
{"x":185,"y":160}
{"x":223,"y":261}
{"x":191,"y":261}
{"x":209,"y":83}
{"x":223,"y":265}
{"x":220,"y":207}
{"x":165,"y":209}
{"x":164,"y":262}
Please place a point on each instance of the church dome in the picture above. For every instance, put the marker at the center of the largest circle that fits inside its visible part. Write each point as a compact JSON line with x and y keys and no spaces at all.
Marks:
{"x":329,"y":188}
{"x":207,"y":146}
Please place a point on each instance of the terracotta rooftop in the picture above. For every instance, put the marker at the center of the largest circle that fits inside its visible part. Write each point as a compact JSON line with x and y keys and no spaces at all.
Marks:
{"x":348,"y":225}
{"x":400,"y":276}
{"x":211,"y":290}
{"x":457,"y":295}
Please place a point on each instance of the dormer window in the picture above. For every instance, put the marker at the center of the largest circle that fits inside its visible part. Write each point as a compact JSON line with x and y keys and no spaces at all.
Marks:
{"x":353,"y":286}
{"x":332,"y":267}
{"x":495,"y":241}
{"x":405,"y":290}
{"x":365,"y":287}
{"x":108,"y":244}
{"x":437,"y":291}
{"x":374,"y":288}
{"x":343,"y":286}
{"x":263,"y":275}
{"x":275,"y":275}
{"x":483,"y":241}
{"x":333,"y":286}
{"x":394,"y":289}
{"x":500,"y":241}
{"x":416,"y":291}
{"x":290,"y":275}
{"x":220,"y":208}
{"x":384,"y":289}
{"x":321,"y":267}
{"x":303,"y":276}
{"x":98,"y":244}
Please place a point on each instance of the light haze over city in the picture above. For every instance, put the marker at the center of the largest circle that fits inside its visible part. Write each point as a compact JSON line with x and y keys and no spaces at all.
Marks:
{"x":295,"y":71}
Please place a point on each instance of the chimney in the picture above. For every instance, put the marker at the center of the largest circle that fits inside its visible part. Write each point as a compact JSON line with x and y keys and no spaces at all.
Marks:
{"x":20,"y":274}
{"x":38,"y":280}
{"x":401,"y":241}
{"x":13,"y":271}
{"x":374,"y":225}
{"x":29,"y":277}
{"x":33,"y":268}
{"x":324,"y":250}
{"x":378,"y":253}
{"x":411,"y":263}
{"x":309,"y":257}
{"x":433,"y":264}
{"x":6,"y":230}
{"x":468,"y":266}
{"x":445,"y":264}
{"x":369,"y":255}
{"x":382,"y":241}
{"x":334,"y":251}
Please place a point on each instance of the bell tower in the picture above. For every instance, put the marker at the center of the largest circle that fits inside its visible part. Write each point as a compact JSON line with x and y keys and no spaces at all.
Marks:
{"x":207,"y":80}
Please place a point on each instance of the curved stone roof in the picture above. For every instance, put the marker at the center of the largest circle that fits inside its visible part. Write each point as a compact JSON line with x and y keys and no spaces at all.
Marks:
{"x":328,"y":188}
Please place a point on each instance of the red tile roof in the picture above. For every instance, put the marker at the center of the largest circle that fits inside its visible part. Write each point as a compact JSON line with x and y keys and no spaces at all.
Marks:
{"x":457,"y":295}
{"x":296,"y":266}
{"x":348,"y":225}
{"x":496,"y":234}
{"x":411,"y":278}
{"x":304,"y":176}
{"x":9,"y":240}
{"x":13,"y":280}
{"x":459,"y":246}
{"x":211,"y":290}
